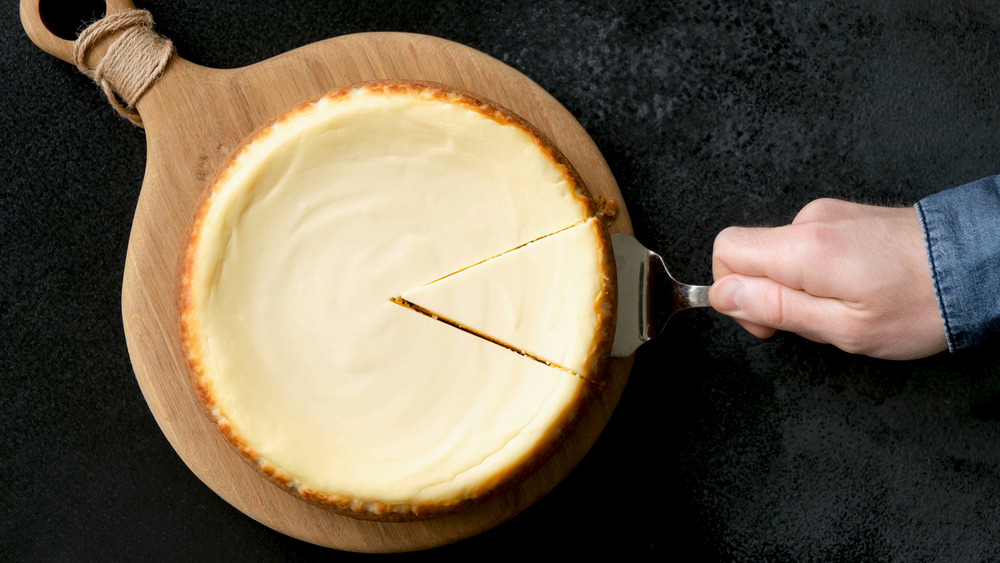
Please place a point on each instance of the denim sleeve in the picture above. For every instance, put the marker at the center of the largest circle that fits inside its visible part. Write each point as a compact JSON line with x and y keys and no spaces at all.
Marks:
{"x":962,"y":232}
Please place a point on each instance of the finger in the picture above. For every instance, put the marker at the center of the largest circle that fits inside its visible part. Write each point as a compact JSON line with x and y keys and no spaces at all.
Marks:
{"x":760,"y":331}
{"x":764,"y":303}
{"x":775,"y":253}
{"x":803,"y":256}
{"x":756,"y":252}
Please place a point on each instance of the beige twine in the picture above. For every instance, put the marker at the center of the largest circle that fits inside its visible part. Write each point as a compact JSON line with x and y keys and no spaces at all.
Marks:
{"x":133,"y":62}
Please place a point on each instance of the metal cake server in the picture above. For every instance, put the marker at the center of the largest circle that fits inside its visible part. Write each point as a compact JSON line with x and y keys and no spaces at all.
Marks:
{"x":647,"y":295}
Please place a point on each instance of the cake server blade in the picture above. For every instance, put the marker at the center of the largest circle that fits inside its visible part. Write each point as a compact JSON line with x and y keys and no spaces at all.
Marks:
{"x":647,"y":295}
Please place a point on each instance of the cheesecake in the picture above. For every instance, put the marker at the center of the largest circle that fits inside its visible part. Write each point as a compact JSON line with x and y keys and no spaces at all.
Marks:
{"x":395,"y":300}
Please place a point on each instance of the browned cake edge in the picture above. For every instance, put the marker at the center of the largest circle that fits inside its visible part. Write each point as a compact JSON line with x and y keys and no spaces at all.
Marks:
{"x":597,"y":364}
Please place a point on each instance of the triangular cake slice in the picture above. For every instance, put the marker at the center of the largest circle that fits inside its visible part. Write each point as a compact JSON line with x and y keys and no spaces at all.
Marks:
{"x":549,"y":299}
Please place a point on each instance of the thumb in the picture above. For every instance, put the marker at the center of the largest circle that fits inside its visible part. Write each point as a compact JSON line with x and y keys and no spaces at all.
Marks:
{"x":762,"y":305}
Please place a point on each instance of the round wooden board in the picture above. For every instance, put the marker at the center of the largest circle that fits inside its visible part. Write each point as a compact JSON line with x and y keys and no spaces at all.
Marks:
{"x":194,"y":117}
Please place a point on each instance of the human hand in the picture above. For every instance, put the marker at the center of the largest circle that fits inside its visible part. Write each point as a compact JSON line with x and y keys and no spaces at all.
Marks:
{"x":855,"y":276}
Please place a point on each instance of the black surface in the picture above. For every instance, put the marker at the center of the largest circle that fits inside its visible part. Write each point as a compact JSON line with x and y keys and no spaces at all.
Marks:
{"x":709,"y":114}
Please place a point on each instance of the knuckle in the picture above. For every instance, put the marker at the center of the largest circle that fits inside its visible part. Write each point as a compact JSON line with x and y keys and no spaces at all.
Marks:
{"x":819,"y":236}
{"x":819,"y":210}
{"x":815,"y":232}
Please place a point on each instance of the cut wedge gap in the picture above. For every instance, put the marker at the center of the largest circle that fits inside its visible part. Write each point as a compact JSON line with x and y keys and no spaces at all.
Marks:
{"x":418,"y":309}
{"x":494,"y":257}
{"x":548,"y":298}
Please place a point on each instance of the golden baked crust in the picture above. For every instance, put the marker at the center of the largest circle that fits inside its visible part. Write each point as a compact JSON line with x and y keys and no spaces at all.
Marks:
{"x":606,"y":306}
{"x":192,"y":330}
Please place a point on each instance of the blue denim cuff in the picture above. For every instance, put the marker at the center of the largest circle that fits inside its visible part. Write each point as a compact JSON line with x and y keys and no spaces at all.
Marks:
{"x":962,"y":233}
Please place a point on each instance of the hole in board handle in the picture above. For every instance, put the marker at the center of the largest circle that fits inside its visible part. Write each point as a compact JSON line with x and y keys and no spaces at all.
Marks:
{"x":67,"y":18}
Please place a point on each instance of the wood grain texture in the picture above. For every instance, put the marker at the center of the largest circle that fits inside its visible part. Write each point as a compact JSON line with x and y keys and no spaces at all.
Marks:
{"x":194,"y":117}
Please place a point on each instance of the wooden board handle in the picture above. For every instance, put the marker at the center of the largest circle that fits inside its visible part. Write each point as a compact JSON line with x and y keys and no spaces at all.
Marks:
{"x":43,"y":37}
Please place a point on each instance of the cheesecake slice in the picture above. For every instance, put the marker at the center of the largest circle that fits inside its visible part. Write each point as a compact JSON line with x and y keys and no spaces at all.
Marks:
{"x":543,"y":299}
{"x":295,"y":347}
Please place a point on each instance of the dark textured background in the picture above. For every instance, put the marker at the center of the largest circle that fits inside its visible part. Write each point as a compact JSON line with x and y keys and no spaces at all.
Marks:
{"x":709,"y":114}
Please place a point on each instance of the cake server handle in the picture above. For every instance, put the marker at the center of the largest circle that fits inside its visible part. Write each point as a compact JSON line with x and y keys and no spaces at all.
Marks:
{"x":648,"y":296}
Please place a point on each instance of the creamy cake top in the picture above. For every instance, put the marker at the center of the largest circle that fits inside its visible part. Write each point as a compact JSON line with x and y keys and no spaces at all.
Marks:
{"x":295,"y":344}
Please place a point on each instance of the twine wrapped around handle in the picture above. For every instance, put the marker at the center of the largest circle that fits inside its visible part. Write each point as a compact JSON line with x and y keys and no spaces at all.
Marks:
{"x":132,"y":63}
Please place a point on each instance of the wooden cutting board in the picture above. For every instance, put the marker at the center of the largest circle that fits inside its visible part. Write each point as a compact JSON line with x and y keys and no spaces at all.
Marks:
{"x":194,"y":117}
